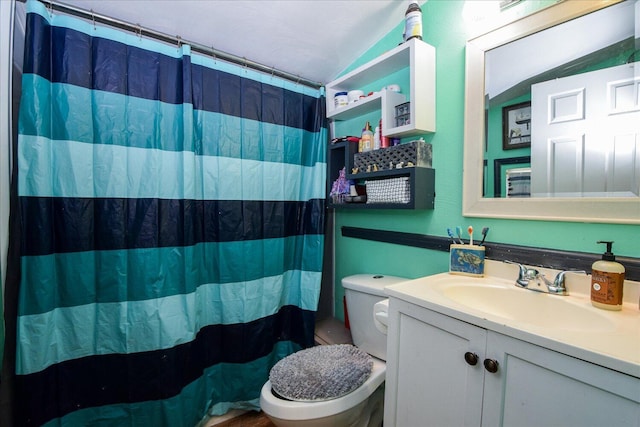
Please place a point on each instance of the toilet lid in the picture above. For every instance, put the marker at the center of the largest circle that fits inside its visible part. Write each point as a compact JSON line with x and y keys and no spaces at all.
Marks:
{"x":323,"y":372}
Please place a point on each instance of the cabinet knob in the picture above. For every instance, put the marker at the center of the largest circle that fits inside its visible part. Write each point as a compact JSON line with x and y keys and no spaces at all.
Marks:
{"x":491,"y":365}
{"x":471,"y":358}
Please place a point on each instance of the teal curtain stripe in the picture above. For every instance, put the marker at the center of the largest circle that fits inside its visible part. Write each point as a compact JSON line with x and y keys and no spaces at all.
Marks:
{"x":75,"y":169}
{"x":66,"y":112}
{"x":125,"y":37}
{"x":55,"y":281}
{"x":190,"y":406}
{"x":239,"y":383}
{"x":126,"y":327}
{"x":80,"y":114}
{"x":35,"y":106}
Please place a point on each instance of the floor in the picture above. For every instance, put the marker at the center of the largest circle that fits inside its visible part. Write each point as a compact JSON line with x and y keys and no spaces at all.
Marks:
{"x":247,"y":419}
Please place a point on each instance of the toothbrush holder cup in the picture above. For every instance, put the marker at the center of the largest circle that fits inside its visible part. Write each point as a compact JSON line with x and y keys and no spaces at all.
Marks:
{"x":466,"y":260}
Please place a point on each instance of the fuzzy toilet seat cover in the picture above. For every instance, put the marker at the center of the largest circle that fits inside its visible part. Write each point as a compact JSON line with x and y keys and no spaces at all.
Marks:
{"x":319,"y":373}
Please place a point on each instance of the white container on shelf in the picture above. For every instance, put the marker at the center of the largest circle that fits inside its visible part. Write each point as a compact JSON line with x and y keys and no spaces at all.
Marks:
{"x":340,"y":99}
{"x":354,"y":95}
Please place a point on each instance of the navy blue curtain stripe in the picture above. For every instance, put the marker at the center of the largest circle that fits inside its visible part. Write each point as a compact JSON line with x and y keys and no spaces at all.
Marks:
{"x":112,"y":224}
{"x":107,"y":65}
{"x":161,"y":374}
{"x":37,"y":56}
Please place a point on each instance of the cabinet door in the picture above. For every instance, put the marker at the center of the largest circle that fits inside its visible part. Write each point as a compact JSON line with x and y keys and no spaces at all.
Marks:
{"x":429,"y":383}
{"x":536,"y":387}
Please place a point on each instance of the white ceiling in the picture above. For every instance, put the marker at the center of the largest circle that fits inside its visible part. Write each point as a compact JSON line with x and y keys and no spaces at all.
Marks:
{"x":314,"y":39}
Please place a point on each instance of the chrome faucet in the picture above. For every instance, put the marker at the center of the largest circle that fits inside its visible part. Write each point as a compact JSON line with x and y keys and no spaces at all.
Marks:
{"x":528,"y":274}
{"x":525,"y":275}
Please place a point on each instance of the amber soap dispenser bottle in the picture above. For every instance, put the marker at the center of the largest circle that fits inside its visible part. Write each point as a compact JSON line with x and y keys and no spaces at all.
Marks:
{"x":607,"y":279}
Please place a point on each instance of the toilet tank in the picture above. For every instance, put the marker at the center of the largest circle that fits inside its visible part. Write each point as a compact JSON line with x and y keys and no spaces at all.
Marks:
{"x":362,"y":292}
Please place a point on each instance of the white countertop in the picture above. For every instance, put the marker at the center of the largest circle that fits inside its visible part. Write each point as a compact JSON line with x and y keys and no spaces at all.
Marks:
{"x":616,"y":346}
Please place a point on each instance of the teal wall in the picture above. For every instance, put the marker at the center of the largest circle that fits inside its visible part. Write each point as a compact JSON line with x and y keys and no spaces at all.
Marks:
{"x":443,"y":28}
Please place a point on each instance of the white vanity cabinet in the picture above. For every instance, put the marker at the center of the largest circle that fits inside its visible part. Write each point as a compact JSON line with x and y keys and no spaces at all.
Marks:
{"x":432,"y":379}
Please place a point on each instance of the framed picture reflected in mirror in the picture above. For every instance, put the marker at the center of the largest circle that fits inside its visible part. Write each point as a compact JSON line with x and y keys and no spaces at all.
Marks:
{"x":516,"y":126}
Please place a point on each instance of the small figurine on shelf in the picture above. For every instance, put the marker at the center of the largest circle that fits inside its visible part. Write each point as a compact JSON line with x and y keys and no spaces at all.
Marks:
{"x":340,"y":188}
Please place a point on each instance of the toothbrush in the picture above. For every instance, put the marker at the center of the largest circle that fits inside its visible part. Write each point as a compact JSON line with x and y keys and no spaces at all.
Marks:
{"x":453,"y":237}
{"x":459,"y":234}
{"x":470,"y":231}
{"x":485,"y":230}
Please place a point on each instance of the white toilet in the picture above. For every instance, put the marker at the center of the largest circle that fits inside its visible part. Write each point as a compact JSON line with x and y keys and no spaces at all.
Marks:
{"x":362,"y":407}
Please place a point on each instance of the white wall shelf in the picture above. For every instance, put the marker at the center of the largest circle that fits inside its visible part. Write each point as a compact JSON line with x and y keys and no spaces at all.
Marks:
{"x":418,"y":58}
{"x":412,"y":61}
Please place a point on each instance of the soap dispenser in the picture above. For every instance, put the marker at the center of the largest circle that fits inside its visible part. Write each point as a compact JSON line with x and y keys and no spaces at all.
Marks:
{"x":607,"y":279}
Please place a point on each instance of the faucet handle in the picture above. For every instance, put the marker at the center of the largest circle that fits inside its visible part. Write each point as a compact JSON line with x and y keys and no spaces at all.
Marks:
{"x":558,"y":283}
{"x":525,"y":274}
{"x":560,"y":276}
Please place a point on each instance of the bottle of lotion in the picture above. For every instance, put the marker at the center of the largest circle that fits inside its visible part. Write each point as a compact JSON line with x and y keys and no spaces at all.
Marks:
{"x":376,"y":138}
{"x":607,"y":279}
{"x":367,"y":138}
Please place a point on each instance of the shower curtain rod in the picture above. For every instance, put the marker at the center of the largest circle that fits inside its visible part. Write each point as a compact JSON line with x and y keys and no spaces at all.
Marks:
{"x":196,"y":47}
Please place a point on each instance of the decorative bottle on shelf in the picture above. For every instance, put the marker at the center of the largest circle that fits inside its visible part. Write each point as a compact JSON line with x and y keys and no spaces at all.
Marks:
{"x":384,"y":140}
{"x":367,"y":138}
{"x":376,"y":138}
{"x":413,"y":22}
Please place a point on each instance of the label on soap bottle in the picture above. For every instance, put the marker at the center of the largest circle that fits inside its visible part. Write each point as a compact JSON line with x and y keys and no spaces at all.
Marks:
{"x":606,"y":288}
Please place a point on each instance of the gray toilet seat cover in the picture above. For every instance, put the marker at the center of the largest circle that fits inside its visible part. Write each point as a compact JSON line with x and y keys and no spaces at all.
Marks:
{"x":321,"y":373}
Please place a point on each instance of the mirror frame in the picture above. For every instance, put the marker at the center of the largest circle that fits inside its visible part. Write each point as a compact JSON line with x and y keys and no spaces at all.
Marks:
{"x":618,"y":210}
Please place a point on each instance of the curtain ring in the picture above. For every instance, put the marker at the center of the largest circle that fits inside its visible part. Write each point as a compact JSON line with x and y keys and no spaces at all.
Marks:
{"x":179,"y":40}
{"x":213,"y":54}
{"x":139,"y":31}
{"x":93,"y":20}
{"x":50,"y":9}
{"x":273,"y":71}
{"x":298,"y":81}
{"x":245,"y":64}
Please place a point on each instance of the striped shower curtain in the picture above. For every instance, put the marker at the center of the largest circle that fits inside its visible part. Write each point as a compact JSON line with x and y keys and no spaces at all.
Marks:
{"x":172,"y":210}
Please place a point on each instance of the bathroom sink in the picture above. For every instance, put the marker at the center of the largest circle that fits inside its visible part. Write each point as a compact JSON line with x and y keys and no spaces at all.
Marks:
{"x":526,"y":306}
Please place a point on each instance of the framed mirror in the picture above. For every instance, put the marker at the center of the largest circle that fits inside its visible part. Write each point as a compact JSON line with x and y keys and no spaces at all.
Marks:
{"x":509,"y":166}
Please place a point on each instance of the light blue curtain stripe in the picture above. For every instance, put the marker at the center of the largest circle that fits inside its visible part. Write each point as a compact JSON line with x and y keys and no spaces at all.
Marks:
{"x":112,"y":171}
{"x":171,"y":411}
{"x":56,"y":281}
{"x":114,"y":119}
{"x":126,"y":327}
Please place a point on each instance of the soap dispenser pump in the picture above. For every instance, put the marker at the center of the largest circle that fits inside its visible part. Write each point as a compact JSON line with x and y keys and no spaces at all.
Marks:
{"x":607,"y":280}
